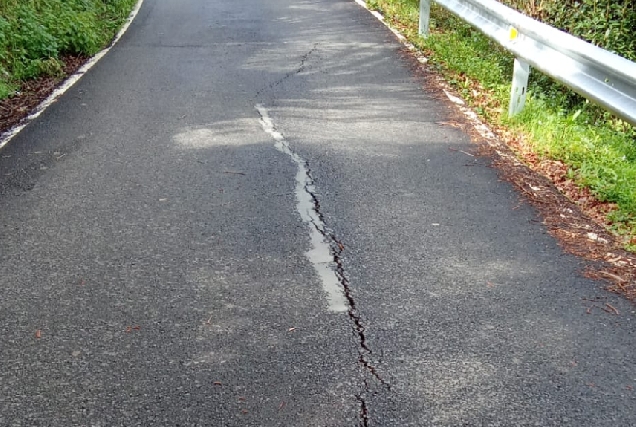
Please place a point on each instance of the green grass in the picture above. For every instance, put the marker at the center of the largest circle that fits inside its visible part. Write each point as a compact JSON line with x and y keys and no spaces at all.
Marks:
{"x":599,"y":148}
{"x":35,"y":34}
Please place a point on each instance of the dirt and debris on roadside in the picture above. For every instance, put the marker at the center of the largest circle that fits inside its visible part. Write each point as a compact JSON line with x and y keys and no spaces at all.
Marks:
{"x":31,"y":93}
{"x":570,"y":213}
{"x":573,"y":217}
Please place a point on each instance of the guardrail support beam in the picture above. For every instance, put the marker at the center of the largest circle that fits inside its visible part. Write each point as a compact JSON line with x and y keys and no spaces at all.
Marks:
{"x":519,"y":90}
{"x":425,"y":16}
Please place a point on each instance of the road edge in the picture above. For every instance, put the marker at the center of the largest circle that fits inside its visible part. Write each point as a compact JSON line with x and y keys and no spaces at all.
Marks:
{"x":577,"y":233}
{"x":7,"y":136}
{"x":482,"y":128}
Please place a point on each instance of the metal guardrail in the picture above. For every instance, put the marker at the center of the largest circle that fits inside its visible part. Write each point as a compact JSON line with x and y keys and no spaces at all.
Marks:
{"x":599,"y":75}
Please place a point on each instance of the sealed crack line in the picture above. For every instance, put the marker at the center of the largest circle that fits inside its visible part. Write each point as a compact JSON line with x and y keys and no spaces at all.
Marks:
{"x":300,"y":69}
{"x":326,"y":252}
{"x":326,"y":258}
{"x":319,"y":255}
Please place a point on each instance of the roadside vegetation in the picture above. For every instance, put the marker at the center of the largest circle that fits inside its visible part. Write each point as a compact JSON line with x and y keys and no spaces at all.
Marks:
{"x":36,"y":35}
{"x":596,"y":149}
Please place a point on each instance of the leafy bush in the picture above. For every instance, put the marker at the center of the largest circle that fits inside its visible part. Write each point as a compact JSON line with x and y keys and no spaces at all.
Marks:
{"x":35,"y":34}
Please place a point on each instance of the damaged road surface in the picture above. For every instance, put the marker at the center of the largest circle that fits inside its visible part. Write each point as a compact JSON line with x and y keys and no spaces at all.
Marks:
{"x":253,"y":214}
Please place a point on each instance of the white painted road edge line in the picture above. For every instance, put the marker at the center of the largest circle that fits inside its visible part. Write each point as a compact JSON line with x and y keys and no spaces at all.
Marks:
{"x":319,"y":255}
{"x":420,"y":57}
{"x":474,"y":119}
{"x":7,"y":136}
{"x":482,"y":128}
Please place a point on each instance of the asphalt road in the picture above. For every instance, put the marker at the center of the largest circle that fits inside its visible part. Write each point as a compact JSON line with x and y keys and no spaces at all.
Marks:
{"x":164,"y":227}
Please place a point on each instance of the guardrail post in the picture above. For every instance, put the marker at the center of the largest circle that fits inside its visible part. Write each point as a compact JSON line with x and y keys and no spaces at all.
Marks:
{"x":425,"y":16}
{"x":519,"y":89}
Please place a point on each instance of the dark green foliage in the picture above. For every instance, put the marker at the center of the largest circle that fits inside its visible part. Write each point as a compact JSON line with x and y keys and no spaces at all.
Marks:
{"x":34,"y":34}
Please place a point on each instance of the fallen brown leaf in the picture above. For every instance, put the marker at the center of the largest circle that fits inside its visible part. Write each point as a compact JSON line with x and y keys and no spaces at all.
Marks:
{"x":461,"y":151}
{"x":613,"y":276}
{"x":611,"y":307}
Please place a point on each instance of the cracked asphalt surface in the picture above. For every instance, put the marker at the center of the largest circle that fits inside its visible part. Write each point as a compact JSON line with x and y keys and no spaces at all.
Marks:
{"x":153,"y":267}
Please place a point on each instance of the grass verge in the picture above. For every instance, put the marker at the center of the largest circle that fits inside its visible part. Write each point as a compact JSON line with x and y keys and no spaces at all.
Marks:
{"x":36,"y":34}
{"x":597,"y":150}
